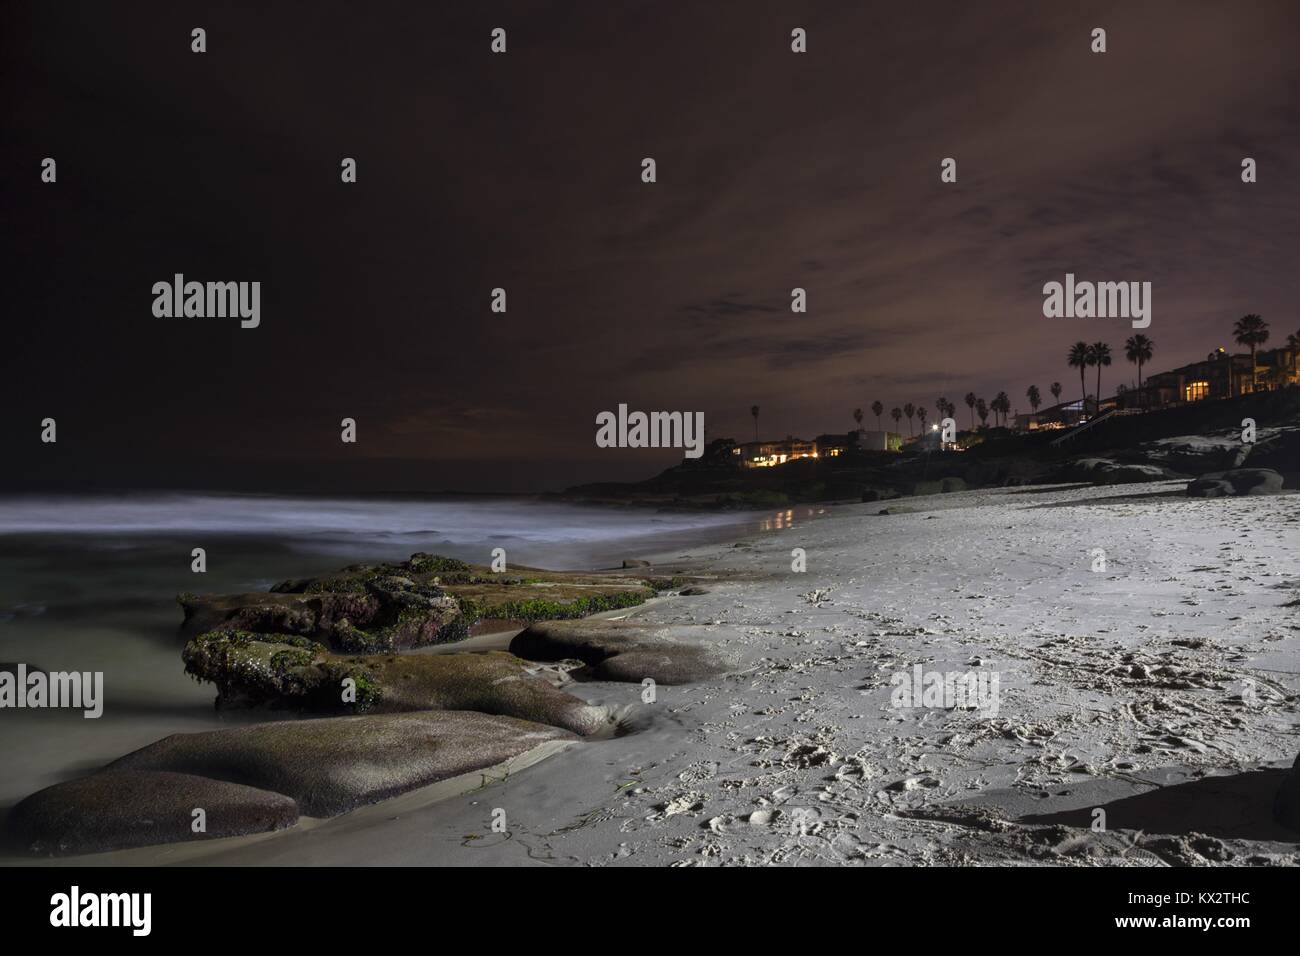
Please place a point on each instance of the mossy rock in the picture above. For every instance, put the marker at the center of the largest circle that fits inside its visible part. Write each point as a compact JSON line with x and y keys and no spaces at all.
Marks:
{"x":485,"y":598}
{"x":375,"y":614}
{"x":252,"y":670}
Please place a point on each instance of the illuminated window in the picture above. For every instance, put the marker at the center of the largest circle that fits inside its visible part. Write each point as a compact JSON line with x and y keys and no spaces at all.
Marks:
{"x":1195,"y":391}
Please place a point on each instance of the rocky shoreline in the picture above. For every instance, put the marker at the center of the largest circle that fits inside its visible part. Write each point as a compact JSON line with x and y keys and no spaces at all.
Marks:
{"x":404,"y":720}
{"x":740,"y":711}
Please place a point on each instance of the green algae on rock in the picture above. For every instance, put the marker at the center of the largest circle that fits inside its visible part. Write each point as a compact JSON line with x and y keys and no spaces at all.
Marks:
{"x":428,"y":599}
{"x":295,"y":673}
{"x":385,"y":613}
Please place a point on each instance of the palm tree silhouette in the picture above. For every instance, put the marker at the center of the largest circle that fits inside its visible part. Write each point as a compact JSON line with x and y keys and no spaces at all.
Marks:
{"x":876,"y":409}
{"x":1056,"y":392}
{"x":1078,"y":358}
{"x":857,"y":417}
{"x":920,"y":413}
{"x":1139,"y":349}
{"x":970,"y":403}
{"x":1099,"y":355}
{"x":1251,"y":330}
{"x":753,"y":410}
{"x":909,"y":410}
{"x":1034,"y":396}
{"x":896,"y":414}
{"x":982,"y":409}
{"x":1001,"y":404}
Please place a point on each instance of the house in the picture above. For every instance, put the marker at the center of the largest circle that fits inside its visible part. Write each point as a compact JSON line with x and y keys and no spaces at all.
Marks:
{"x":1277,"y":368}
{"x":832,"y":446}
{"x":880,"y":441}
{"x":1223,"y":375}
{"x":765,"y":454}
{"x":1220,"y":375}
{"x":1064,"y":415}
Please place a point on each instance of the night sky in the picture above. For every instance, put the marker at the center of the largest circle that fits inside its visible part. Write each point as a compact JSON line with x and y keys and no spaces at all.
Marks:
{"x":477,"y":170}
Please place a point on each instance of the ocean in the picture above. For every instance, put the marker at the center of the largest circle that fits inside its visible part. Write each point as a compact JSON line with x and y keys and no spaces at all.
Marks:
{"x":89,"y":583}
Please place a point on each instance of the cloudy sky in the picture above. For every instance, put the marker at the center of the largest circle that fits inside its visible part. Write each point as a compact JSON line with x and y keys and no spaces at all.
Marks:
{"x":522,"y":171}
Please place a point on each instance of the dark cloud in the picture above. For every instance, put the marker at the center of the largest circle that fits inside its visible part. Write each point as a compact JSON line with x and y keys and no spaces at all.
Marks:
{"x":775,"y":171}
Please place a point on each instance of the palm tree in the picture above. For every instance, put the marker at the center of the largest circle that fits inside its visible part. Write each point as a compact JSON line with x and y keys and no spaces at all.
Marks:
{"x":982,"y":409}
{"x":896,"y":414}
{"x":857,"y":417}
{"x":1252,"y":331}
{"x":1056,"y":392}
{"x":753,"y":410}
{"x":1001,"y":404}
{"x":1099,"y":355}
{"x":1139,"y":349}
{"x":1035,"y":398}
{"x":1078,"y":358}
{"x":909,"y":410}
{"x":970,"y":403}
{"x":920,"y":413}
{"x":876,"y":409}
{"x":941,"y":406}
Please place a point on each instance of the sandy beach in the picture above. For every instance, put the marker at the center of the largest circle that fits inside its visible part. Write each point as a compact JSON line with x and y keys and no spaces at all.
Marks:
{"x":1161,"y":690}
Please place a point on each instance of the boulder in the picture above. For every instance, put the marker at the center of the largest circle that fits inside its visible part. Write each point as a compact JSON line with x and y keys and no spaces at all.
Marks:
{"x":1197,"y":454}
{"x":116,"y":810}
{"x":1086,"y":469}
{"x":1254,"y":481}
{"x":1278,"y":449}
{"x":1121,"y":474}
{"x":1105,"y":471}
{"x":428,"y":599}
{"x":624,"y":651}
{"x":487,"y":598}
{"x":1238,"y":481}
{"x":382,"y":613}
{"x":335,"y":764}
{"x":1210,"y":488}
{"x":1286,"y":805}
{"x":283,"y":671}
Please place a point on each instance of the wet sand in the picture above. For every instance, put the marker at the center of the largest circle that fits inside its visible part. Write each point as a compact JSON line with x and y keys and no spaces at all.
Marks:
{"x":1162,"y":690}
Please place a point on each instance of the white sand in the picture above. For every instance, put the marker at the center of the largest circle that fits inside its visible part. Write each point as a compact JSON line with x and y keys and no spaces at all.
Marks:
{"x":801,"y":759}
